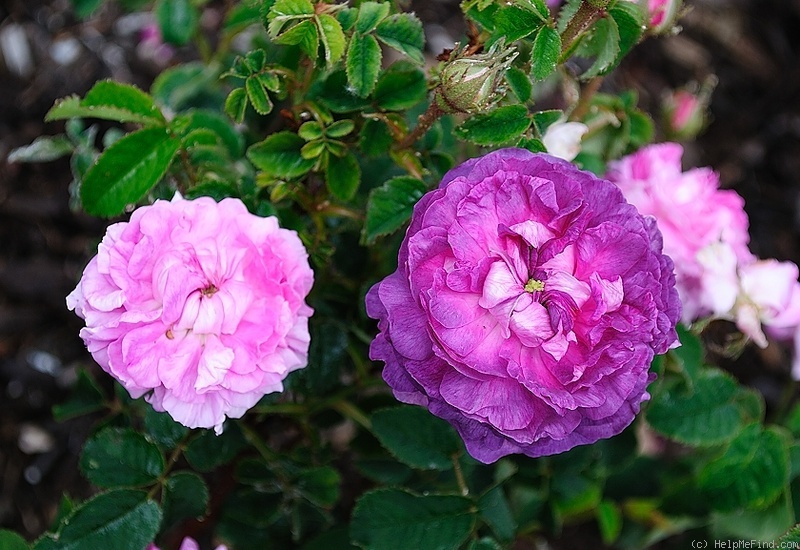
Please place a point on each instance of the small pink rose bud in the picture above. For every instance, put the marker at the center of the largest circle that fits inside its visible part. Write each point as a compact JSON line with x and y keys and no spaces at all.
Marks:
{"x":662,"y":14}
{"x":685,"y":111}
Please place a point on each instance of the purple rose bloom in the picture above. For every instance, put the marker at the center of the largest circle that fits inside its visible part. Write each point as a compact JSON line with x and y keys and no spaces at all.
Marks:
{"x":528,"y":303}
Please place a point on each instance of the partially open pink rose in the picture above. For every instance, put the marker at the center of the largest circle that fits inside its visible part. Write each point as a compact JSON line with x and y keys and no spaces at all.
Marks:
{"x":197,"y":305}
{"x":692,"y":214}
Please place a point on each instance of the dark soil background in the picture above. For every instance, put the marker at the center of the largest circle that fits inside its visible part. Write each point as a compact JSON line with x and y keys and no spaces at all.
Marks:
{"x":751,"y":46}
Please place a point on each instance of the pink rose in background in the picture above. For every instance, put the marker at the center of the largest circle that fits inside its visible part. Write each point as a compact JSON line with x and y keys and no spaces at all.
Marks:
{"x":197,"y":305}
{"x":528,"y":303}
{"x":692,"y":214}
{"x":770,"y":296}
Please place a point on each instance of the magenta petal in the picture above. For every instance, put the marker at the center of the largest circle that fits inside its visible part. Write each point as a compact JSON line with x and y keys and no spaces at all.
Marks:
{"x":527,"y":305}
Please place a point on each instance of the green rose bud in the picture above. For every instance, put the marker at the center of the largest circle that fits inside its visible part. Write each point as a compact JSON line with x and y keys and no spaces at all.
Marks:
{"x":470,"y":84}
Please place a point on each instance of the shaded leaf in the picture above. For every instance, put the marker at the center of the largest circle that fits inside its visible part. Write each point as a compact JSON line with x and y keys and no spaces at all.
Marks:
{"x":122,"y":519}
{"x":284,"y":11}
{"x":236,"y":104}
{"x":752,"y":472}
{"x":519,"y":83}
{"x":185,"y":496}
{"x":343,"y":175}
{"x":393,"y":519}
{"x":390,"y":205}
{"x":416,"y":437}
{"x":43,"y":149}
{"x":117,"y":457}
{"x":178,"y":20}
{"x":514,"y":22}
{"x":400,"y":87}
{"x":86,"y":397}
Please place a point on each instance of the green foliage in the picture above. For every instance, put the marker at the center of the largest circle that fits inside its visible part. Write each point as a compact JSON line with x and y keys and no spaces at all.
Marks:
{"x":185,"y":496}
{"x":389,"y":519}
{"x":111,"y":101}
{"x":390,"y":206}
{"x":177,"y":20}
{"x":296,"y":111}
{"x":496,"y":127}
{"x":117,"y":457}
{"x":127,"y":170}
{"x":125,"y":519}
{"x":416,"y":437}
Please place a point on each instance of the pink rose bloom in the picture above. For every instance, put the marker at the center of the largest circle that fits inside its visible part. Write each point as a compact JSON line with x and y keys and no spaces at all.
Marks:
{"x":691,"y":211}
{"x":662,"y":13}
{"x":197,"y":305}
{"x":527,"y":305}
{"x":770,"y":296}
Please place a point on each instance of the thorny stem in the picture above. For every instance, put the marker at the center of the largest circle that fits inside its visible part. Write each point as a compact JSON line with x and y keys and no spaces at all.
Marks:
{"x":425,"y":121}
{"x":585,"y":100}
{"x":580,"y":22}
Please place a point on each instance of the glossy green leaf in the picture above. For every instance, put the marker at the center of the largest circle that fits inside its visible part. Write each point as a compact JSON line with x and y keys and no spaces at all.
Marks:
{"x":416,"y":437}
{"x":178,"y":20}
{"x":284,"y":11}
{"x":163,"y":429}
{"x":630,"y":21}
{"x":9,"y":540}
{"x":394,"y":519}
{"x":257,"y":95}
{"x":390,"y":205}
{"x":514,"y":22}
{"x":752,"y":472}
{"x":236,"y":104}
{"x":370,"y":14}
{"x":310,"y":130}
{"x":545,"y":53}
{"x":109,"y":100}
{"x":792,"y":536}
{"x":604,"y":45}
{"x":197,"y":119}
{"x":117,"y":457}
{"x":484,"y":543}
{"x":312,"y":149}
{"x":279,"y":156}
{"x":340,"y":128}
{"x":185,"y":496}
{"x":343,"y":175}
{"x":689,"y":356}
{"x":347,"y":17}
{"x":400,"y":87}
{"x":127,"y":170}
{"x":706,"y":415}
{"x":519,"y":83}
{"x":305,"y":35}
{"x":332,"y":38}
{"x":363,"y":63}
{"x":43,"y":149}
{"x":122,"y":519}
{"x":403,"y":32}
{"x":496,"y":127}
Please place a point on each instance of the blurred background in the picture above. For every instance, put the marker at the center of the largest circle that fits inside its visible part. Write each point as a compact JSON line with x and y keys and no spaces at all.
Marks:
{"x":750,"y":48}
